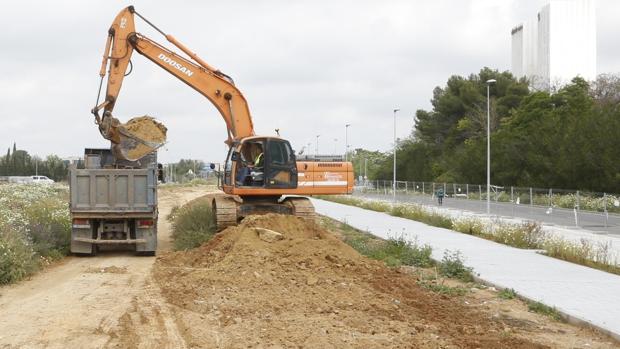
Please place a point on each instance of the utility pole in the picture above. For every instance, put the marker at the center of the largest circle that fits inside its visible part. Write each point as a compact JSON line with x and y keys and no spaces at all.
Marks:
{"x":346,"y":142}
{"x":394,"y":179}
{"x":489,"y":82}
{"x":316,"y":149}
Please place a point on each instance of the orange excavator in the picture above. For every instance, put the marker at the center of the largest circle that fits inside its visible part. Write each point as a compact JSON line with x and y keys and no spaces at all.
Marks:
{"x":260,"y":174}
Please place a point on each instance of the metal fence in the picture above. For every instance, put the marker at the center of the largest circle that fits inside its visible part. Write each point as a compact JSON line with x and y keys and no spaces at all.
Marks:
{"x":558,"y":206}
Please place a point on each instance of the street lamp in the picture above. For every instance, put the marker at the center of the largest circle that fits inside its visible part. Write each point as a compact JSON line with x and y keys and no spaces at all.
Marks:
{"x":489,"y":82}
{"x":316,"y":150}
{"x":394,"y":179}
{"x":346,"y":142}
{"x":335,"y":145}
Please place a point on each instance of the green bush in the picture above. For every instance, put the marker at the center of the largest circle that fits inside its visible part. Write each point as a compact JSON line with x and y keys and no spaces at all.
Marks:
{"x":17,"y":257}
{"x":49,"y":227}
{"x":193,"y":225}
{"x":452,"y":266}
{"x":35,"y":227}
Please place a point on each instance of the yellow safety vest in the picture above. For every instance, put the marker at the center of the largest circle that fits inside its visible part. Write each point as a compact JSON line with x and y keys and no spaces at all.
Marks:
{"x":259,"y":160}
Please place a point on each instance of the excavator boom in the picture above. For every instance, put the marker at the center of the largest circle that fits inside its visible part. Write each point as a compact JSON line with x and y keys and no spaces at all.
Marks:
{"x":217,"y":87}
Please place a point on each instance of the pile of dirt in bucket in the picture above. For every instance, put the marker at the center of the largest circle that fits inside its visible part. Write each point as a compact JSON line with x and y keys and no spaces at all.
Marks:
{"x":147,"y":129}
{"x":279,"y":282}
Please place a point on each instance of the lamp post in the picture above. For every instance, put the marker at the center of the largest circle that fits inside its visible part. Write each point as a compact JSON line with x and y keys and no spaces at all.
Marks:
{"x":316,"y":149}
{"x":346,"y":142}
{"x":394,"y":179}
{"x":489,"y":82}
{"x":335,"y":145}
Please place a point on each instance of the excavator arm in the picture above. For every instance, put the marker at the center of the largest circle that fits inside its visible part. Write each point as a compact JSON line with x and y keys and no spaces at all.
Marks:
{"x":217,"y":87}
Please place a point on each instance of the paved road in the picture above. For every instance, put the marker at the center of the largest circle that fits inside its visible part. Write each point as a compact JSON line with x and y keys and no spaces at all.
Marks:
{"x":583,"y":293}
{"x":596,"y":222}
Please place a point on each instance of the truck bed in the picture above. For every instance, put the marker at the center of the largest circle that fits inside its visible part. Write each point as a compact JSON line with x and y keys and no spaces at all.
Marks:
{"x":113,"y":191}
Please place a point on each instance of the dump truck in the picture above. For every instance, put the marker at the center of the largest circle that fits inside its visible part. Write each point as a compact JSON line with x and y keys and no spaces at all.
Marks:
{"x":114,"y":202}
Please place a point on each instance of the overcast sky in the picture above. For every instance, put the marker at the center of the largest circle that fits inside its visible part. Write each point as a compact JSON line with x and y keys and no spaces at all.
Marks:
{"x":305,"y":67}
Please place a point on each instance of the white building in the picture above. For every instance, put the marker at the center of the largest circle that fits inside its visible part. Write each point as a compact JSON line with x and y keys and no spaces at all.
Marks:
{"x":557,"y":45}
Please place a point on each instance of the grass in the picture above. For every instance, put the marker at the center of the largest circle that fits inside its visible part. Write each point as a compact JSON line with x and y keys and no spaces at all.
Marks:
{"x":584,"y":252}
{"x":443,"y":289}
{"x":192,"y":224}
{"x":394,"y":252}
{"x":539,"y":308}
{"x":397,"y":252}
{"x":528,"y":235}
{"x":417,"y":213}
{"x":450,"y":267}
{"x":507,"y":293}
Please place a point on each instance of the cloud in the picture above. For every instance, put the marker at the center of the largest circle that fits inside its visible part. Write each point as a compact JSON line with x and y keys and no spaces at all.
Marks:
{"x":306,"y":67}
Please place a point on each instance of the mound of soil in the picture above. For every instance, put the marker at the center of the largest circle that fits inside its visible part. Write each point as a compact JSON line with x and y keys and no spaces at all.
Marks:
{"x":309,"y":289}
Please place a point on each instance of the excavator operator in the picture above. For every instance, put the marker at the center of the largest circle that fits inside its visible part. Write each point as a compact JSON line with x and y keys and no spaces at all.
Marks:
{"x":250,"y":173}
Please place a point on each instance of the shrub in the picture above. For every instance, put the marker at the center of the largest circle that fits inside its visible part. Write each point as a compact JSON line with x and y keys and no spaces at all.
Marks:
{"x":17,"y":258}
{"x":527,"y":235}
{"x":49,"y":227}
{"x":469,"y":226}
{"x":452,"y":266}
{"x":193,"y":225}
{"x":35,"y":227}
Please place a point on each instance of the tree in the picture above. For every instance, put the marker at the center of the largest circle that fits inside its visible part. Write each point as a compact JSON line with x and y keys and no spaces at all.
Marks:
{"x":566,"y":138}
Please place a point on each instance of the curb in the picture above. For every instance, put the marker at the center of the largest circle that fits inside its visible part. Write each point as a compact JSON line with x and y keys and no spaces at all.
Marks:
{"x":571,"y":319}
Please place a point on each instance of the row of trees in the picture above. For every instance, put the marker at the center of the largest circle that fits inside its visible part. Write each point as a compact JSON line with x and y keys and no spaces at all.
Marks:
{"x":19,"y":163}
{"x":567,"y":138}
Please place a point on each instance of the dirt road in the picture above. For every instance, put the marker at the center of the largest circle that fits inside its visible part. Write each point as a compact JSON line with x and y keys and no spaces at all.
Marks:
{"x":88,"y":302}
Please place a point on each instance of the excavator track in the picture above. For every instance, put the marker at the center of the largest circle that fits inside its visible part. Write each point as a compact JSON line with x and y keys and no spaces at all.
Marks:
{"x":302,"y":208}
{"x":225,"y":211}
{"x":229,"y":209}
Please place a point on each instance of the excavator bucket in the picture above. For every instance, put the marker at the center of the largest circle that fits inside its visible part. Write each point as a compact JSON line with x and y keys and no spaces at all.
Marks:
{"x":139,"y":137}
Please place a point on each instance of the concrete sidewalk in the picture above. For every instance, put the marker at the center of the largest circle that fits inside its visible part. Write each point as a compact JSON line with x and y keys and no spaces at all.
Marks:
{"x":583,"y":293}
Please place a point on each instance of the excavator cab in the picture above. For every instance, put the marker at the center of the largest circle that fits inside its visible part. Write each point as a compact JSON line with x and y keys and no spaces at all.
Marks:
{"x":261,"y":163}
